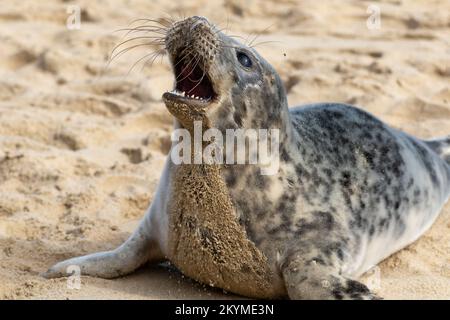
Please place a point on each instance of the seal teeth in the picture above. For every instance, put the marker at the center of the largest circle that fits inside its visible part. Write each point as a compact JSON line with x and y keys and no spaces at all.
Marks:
{"x":186,"y":95}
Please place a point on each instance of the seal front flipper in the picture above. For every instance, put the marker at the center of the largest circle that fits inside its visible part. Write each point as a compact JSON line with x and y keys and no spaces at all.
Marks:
{"x":307,"y":276}
{"x":136,"y":251}
{"x":147,"y":244}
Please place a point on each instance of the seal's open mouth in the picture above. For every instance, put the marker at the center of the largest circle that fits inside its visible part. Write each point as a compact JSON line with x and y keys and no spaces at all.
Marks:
{"x":193,"y":83}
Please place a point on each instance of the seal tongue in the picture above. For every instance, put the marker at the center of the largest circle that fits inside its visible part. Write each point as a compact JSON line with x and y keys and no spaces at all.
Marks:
{"x":194,"y":81}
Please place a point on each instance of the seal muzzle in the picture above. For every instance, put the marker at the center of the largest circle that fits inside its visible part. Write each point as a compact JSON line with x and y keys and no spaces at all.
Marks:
{"x":192,"y":45}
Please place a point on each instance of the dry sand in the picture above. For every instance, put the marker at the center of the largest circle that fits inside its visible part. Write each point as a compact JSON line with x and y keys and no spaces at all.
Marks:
{"x":81,"y":152}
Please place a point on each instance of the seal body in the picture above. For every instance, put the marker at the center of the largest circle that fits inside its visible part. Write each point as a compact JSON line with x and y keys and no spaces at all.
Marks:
{"x":349,"y":190}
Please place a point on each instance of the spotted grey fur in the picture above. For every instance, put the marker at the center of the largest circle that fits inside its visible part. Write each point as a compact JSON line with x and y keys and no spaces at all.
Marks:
{"x":350,"y":190}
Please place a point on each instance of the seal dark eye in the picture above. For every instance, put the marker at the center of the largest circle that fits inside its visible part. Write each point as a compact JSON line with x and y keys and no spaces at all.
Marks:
{"x":244,"y":59}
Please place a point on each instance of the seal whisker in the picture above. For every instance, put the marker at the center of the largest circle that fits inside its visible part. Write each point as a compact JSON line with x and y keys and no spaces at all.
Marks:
{"x":202,"y":77}
{"x":123,"y":51}
{"x":168,"y":21}
{"x":133,"y":39}
{"x":143,"y":26}
{"x":186,"y":66}
{"x":228,"y":23}
{"x":159,"y":53}
{"x":184,"y":54}
{"x":146,"y":29}
{"x":148,"y":26}
{"x":259,"y":34}
{"x":154,"y":53}
{"x":169,"y":17}
{"x":263,"y":42}
{"x":228,"y":46}
{"x":228,"y":35}
{"x":197,"y":60}
{"x":218,"y":30}
{"x":164,"y":23}
{"x":236,"y":36}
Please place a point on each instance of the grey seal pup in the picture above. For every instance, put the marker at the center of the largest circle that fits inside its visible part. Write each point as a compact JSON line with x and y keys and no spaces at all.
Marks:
{"x":349,"y":191}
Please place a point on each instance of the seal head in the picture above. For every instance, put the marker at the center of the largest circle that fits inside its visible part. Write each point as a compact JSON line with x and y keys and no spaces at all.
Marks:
{"x":218,"y":78}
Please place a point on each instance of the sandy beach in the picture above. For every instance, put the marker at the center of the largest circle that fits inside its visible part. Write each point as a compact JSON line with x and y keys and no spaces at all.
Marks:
{"x":83,"y":143}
